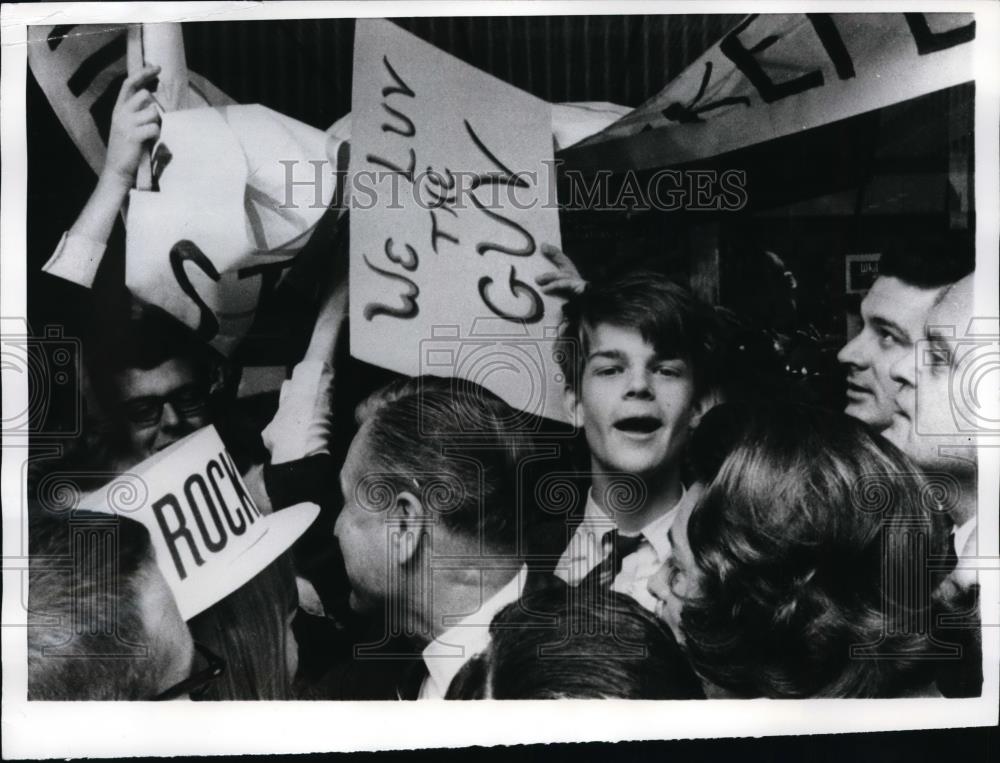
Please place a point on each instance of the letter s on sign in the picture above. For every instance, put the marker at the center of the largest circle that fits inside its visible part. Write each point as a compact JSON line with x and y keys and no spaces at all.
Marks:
{"x":185,"y":251}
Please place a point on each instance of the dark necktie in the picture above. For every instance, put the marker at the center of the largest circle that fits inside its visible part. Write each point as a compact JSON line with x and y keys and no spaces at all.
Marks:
{"x":616,"y":548}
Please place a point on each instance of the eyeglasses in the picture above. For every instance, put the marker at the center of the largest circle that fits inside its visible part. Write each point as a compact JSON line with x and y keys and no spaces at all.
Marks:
{"x":196,"y":684}
{"x":188,"y":401}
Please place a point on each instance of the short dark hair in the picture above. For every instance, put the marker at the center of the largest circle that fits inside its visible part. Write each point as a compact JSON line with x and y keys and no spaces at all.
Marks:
{"x":667,"y":315}
{"x":552,"y":645}
{"x":930,"y":261}
{"x":805,"y":514}
{"x":70,"y":577}
{"x":458,"y":435}
{"x":145,"y":338}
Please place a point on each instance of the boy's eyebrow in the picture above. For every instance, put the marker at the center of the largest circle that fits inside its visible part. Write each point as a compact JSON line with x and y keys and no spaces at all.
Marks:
{"x":611,"y":354}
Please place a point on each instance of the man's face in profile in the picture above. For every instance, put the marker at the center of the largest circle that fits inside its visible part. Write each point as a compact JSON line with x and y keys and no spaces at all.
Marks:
{"x":362,"y":528}
{"x":893,"y":314}
{"x":162,"y":404}
{"x":171,"y":639}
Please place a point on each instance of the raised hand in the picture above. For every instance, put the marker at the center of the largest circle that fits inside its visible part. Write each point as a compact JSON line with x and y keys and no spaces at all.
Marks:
{"x":135,"y":122}
{"x":565,"y":280}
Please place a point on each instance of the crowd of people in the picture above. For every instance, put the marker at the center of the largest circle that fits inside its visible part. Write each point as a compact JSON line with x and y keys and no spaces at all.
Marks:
{"x":692,"y":542}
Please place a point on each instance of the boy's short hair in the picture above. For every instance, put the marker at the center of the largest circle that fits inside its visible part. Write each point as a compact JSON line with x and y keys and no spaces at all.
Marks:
{"x":667,"y":315}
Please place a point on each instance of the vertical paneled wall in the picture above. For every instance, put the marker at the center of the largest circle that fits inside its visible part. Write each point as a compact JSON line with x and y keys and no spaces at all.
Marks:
{"x":303,"y":67}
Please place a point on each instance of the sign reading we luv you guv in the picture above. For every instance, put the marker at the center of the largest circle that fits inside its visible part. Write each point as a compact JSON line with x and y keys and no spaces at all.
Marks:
{"x":452,"y":194}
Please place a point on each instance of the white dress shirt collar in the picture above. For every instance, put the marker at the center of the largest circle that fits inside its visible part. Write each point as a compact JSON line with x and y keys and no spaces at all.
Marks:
{"x":446,"y":654}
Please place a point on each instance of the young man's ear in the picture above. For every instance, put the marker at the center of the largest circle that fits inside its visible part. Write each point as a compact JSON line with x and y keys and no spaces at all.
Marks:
{"x":703,"y":405}
{"x":410,"y":516}
{"x":573,"y":411}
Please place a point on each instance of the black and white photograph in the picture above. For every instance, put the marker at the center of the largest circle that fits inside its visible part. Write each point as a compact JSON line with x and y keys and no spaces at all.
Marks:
{"x":359,"y":358}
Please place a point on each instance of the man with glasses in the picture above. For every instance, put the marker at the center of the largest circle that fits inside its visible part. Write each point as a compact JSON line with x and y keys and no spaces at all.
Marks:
{"x":161,"y":382}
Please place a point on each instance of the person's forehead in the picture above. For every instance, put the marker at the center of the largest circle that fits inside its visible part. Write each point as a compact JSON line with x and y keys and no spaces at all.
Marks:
{"x":951,"y":315}
{"x":357,"y":455}
{"x":166,"y":377}
{"x":678,"y":530}
{"x":623,"y":340}
{"x":896,"y":301}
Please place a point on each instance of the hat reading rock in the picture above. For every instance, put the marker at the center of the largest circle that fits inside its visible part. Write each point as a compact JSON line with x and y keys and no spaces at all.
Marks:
{"x":210,"y":538}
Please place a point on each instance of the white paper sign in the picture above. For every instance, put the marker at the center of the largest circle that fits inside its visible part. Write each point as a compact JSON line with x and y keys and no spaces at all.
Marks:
{"x":452,"y":195}
{"x":222,"y":214}
{"x":209,"y":536}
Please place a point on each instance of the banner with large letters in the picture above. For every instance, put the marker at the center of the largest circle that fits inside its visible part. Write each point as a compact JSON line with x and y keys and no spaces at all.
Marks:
{"x":778,"y":74}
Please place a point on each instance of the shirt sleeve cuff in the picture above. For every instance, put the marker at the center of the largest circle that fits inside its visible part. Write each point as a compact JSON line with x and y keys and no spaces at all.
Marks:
{"x":76,"y":259}
{"x":307,"y":479}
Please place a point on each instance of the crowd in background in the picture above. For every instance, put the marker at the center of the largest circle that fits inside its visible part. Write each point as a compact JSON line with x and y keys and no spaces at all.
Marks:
{"x":693,"y":539}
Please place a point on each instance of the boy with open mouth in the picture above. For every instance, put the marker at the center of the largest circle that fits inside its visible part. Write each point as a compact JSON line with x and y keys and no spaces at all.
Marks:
{"x":639,"y":375}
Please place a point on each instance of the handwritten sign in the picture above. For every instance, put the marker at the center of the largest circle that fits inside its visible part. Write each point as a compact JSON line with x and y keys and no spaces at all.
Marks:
{"x":778,"y":74}
{"x":209,"y":536}
{"x":452,"y":195}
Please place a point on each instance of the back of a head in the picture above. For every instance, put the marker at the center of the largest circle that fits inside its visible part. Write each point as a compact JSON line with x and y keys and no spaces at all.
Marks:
{"x":553,"y":644}
{"x":455,"y":444}
{"x":805,"y":513}
{"x":249,"y":630}
{"x":87,"y":636}
{"x":667,"y":315}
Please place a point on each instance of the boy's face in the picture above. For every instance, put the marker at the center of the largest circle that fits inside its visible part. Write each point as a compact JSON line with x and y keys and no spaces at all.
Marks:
{"x":636,"y":407}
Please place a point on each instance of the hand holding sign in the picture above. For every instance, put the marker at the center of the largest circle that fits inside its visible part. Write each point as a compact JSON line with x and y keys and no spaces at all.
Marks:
{"x":565,"y":280}
{"x":135,"y":125}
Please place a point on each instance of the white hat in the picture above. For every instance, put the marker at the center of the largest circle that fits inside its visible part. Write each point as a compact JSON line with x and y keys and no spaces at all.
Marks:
{"x":209,"y":536}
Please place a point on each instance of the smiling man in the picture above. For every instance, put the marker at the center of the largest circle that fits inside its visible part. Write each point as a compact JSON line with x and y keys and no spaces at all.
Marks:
{"x":639,"y":380}
{"x":911,"y":278}
{"x":153,"y":378}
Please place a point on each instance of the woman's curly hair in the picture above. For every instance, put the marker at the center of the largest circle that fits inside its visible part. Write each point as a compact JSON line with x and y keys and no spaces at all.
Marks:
{"x":813,"y":541}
